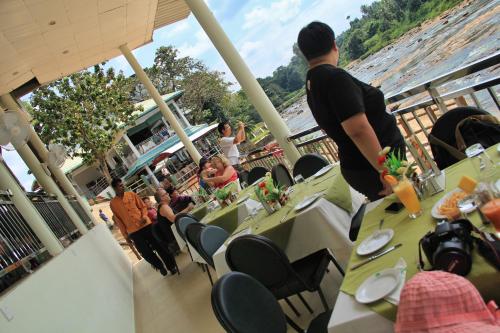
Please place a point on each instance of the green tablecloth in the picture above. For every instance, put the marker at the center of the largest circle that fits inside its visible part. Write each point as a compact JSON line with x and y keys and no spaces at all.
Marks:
{"x":408,"y":232}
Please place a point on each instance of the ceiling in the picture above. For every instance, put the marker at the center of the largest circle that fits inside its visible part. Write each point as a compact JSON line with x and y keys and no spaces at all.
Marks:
{"x":49,"y":39}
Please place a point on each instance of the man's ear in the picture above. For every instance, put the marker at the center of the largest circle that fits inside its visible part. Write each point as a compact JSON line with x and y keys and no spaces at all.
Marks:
{"x":334,"y":47}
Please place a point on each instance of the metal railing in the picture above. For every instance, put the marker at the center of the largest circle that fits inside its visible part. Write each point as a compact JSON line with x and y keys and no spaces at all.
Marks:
{"x":151,"y":142}
{"x":56,"y":218}
{"x":20,"y":248}
{"x":80,"y":211}
{"x":415,"y":120}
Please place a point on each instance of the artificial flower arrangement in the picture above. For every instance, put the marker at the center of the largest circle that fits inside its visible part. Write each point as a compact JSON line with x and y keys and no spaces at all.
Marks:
{"x":225,"y":195}
{"x":271,"y":194}
{"x":396,"y":168}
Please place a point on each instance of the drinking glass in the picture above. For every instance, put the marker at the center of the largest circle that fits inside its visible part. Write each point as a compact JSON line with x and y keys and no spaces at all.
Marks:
{"x":483,"y":165}
{"x":406,"y":194}
{"x":299,"y":179}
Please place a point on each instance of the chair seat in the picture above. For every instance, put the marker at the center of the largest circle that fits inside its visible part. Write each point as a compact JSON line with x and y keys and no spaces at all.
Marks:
{"x":311,"y":270}
{"x":320,"y":323}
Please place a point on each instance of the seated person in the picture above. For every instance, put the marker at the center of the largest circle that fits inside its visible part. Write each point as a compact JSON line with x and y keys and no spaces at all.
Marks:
{"x":204,"y":171}
{"x":165,"y":212}
{"x":224,"y":172}
{"x":179,"y":203}
{"x":152,"y":214}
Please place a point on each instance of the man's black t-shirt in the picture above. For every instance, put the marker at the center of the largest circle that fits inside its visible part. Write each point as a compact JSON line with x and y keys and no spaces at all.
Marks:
{"x":334,"y":96}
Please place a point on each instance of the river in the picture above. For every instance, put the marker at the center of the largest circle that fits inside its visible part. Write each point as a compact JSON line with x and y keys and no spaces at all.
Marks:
{"x":460,"y":36}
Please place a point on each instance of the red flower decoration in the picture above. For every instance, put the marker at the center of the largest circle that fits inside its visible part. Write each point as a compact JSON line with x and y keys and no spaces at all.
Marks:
{"x":381,"y":160}
{"x":266,"y":192}
{"x":262,"y":184}
{"x":385,"y":172}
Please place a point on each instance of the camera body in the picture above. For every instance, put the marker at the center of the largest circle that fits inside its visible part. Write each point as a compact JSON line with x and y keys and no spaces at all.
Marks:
{"x":449,"y":247}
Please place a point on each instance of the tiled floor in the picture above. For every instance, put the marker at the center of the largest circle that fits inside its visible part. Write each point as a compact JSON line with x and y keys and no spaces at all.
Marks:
{"x":181,"y":303}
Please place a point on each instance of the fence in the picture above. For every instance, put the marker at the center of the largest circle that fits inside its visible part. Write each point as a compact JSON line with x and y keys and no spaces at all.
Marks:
{"x":20,"y":249}
{"x":55,"y":217}
{"x":80,"y":211}
{"x":415,"y":120}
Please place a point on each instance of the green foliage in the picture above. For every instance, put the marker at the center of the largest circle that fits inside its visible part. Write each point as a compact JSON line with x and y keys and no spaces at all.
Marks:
{"x":384,"y":21}
{"x":84,"y":111}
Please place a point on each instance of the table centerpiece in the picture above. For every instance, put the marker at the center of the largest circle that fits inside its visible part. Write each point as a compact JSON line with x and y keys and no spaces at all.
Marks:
{"x":271,"y":195}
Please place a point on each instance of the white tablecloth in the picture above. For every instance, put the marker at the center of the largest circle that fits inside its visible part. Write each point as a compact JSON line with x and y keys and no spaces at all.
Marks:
{"x":322,"y":225}
{"x":350,"y":316}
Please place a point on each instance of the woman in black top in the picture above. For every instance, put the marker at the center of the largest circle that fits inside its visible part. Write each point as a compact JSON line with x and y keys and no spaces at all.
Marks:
{"x":351,"y":112}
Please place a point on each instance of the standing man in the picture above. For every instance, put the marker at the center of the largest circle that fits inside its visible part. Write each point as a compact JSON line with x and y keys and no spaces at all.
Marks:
{"x":229,"y":143}
{"x":131,"y":216}
{"x":351,"y":112}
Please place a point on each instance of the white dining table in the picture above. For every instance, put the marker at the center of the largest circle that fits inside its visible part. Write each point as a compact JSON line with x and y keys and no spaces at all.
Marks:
{"x":319,"y":226}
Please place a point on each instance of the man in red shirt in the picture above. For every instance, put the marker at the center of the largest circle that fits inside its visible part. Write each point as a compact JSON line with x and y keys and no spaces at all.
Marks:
{"x":131,"y":217}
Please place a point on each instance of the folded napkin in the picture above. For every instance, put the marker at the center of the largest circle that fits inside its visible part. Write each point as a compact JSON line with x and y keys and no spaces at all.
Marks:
{"x":339,"y":193}
{"x":396,"y":294}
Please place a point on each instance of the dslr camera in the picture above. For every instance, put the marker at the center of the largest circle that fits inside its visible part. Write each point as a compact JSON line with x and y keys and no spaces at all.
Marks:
{"x":449,"y":247}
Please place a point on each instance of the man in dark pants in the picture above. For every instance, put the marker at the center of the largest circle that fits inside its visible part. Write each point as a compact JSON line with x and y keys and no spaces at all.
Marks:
{"x":351,"y":112}
{"x":131,"y":216}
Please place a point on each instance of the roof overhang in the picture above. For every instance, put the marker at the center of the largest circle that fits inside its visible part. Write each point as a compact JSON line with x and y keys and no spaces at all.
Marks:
{"x":44,"y":40}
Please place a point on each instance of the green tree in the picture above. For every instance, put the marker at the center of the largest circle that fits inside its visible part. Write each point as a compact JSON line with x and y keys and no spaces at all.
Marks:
{"x":84,"y":112}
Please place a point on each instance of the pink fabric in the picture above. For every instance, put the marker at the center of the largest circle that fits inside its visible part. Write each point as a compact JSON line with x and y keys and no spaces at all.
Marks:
{"x":231,"y":179}
{"x":440,"y":302}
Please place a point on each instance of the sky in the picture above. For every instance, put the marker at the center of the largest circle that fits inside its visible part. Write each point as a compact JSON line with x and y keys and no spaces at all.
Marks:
{"x":263,"y":31}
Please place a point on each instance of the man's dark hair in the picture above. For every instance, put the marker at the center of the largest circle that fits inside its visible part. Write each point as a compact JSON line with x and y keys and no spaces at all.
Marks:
{"x":315,"y":40}
{"x":115,"y":182}
{"x":222,"y":126}
{"x":170,"y":190}
{"x":161,"y":178}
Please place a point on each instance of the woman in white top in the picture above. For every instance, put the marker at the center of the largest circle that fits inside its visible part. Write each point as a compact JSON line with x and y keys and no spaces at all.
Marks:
{"x":229,"y":143}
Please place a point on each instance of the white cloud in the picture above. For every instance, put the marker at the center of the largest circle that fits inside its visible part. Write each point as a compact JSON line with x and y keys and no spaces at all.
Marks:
{"x":174,"y":30}
{"x":201,"y":45}
{"x":249,"y":47}
{"x":281,"y":11}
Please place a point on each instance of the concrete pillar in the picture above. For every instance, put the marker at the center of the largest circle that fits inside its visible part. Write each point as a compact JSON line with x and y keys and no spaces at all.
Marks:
{"x":248,"y":83}
{"x":49,"y":185}
{"x":131,"y":145}
{"x":181,"y":115}
{"x":165,"y":110}
{"x":29,"y":212}
{"x":9,"y":102}
{"x":152,"y":175}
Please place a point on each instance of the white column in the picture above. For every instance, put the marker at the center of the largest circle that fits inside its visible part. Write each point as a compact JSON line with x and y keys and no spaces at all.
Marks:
{"x":131,"y":145}
{"x":181,"y":114}
{"x":49,"y":185}
{"x":152,"y":175}
{"x":165,"y":110}
{"x":39,"y":146}
{"x":29,"y":212}
{"x":248,"y":83}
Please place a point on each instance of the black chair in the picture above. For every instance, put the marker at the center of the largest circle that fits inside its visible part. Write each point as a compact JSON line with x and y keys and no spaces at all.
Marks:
{"x":243,"y":304}
{"x":444,"y":130}
{"x":163,"y":240}
{"x":243,"y":176}
{"x":356,"y":223}
{"x":261,"y":258}
{"x":211,"y":239}
{"x":182,"y":220}
{"x":193,"y":232}
{"x":308,"y":164}
{"x":281,"y":175}
{"x":256,"y":173}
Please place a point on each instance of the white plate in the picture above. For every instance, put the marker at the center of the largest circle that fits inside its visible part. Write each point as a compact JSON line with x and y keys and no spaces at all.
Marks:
{"x":307,"y":202}
{"x":498,"y":148}
{"x":323,"y":170}
{"x":378,"y":285}
{"x":375,"y":242}
{"x":435,"y":212}
{"x":242,"y":199}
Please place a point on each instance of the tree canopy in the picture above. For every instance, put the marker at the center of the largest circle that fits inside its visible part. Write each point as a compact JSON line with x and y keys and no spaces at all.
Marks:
{"x":84,"y":112}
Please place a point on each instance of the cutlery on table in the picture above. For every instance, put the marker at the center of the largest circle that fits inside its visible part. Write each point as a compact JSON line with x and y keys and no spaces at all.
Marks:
{"x":375,"y":256}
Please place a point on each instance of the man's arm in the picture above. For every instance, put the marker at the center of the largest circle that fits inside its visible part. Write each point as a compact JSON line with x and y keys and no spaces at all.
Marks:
{"x":121,"y":226}
{"x":240,"y":135}
{"x":189,"y":207}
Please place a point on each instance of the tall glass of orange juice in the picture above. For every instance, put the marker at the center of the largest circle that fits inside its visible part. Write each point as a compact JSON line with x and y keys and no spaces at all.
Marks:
{"x":406,"y":194}
{"x":492,"y":212}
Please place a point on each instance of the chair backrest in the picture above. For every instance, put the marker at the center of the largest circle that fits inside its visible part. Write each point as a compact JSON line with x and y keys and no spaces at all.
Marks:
{"x":182,"y":221}
{"x":308,"y":164}
{"x":444,"y":130}
{"x":281,"y":175}
{"x":256,"y":173}
{"x":243,"y":175}
{"x":260,"y":258}
{"x":211,"y":239}
{"x":193,"y":231}
{"x":243,"y":304}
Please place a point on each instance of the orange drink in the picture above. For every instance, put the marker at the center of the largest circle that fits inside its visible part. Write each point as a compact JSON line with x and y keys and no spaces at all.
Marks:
{"x":492,"y":212}
{"x":406,"y":193}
